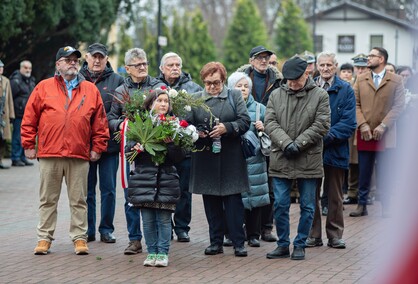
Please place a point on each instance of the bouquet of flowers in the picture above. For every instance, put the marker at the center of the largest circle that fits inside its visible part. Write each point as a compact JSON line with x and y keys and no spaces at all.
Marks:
{"x":152,"y":130}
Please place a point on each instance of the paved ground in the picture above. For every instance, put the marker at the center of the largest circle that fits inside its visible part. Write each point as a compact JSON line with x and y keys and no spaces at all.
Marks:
{"x":106,"y":263}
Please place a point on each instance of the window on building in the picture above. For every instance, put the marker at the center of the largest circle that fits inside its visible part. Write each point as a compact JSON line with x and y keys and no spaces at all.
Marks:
{"x":346,"y":44}
{"x":318,"y":43}
{"x":376,"y":41}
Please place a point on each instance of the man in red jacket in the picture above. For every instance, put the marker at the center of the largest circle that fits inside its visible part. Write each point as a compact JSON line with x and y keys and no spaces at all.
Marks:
{"x":64,"y":126}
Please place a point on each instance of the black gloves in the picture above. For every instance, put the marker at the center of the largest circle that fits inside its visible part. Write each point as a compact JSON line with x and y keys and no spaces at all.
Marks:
{"x":291,"y":151}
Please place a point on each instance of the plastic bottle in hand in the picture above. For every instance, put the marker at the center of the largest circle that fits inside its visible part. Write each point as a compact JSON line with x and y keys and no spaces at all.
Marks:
{"x":216,"y":142}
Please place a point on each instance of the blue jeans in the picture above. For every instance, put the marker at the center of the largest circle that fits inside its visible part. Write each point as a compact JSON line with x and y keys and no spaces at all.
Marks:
{"x":133,"y":216}
{"x":108,"y":167}
{"x":183,"y":213}
{"x":18,"y":154}
{"x":307,"y":190}
{"x":157,"y":230}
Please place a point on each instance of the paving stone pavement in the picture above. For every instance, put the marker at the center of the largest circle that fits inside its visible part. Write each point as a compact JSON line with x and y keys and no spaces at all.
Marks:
{"x":106,"y":263}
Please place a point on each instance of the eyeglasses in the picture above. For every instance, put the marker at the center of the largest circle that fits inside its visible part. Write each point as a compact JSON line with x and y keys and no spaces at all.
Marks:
{"x":373,"y":55}
{"x":216,"y":83}
{"x":274,"y":63}
{"x":71,"y":60}
{"x":260,"y":58}
{"x":139,"y":65}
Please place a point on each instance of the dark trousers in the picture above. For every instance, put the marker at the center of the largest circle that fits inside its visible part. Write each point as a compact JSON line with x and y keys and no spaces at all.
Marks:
{"x":253,"y":223}
{"x":230,"y":206}
{"x":267,"y":213}
{"x":366,"y":160}
{"x":183,"y":213}
{"x":333,"y":184}
{"x":353,"y":181}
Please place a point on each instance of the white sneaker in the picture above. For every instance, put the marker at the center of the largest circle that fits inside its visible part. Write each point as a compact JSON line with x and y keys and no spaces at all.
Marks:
{"x":161,"y":260}
{"x":150,"y":260}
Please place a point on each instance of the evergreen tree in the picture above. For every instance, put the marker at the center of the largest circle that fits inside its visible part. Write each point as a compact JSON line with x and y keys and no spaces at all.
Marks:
{"x":125,"y":43}
{"x":246,"y":31}
{"x":293,"y":35}
{"x":199,"y":46}
{"x":192,"y":42}
{"x":35,"y":30}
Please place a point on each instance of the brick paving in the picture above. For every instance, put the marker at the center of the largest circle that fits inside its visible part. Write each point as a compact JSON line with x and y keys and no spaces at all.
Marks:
{"x":106,"y":263}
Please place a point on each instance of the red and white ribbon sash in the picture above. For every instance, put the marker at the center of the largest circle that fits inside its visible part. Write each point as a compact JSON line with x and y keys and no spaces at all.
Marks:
{"x":122,"y":158}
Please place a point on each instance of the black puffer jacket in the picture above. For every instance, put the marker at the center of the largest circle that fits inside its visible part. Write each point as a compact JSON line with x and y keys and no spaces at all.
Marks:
{"x":184,"y":82}
{"x":155,"y":186}
{"x":22,"y":87}
{"x":106,"y":82}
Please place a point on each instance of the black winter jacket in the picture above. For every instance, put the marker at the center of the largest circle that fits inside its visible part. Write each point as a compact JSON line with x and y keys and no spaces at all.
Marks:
{"x":22,"y":87}
{"x":155,"y":186}
{"x":106,"y":82}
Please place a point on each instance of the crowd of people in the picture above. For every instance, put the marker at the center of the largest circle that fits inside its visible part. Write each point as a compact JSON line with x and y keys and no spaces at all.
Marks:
{"x":332,"y":127}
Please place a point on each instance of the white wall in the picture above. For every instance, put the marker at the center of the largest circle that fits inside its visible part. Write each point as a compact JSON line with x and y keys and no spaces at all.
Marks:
{"x":400,"y":51}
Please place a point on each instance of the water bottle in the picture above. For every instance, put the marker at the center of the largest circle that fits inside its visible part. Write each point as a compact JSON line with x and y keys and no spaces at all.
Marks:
{"x":216,"y":142}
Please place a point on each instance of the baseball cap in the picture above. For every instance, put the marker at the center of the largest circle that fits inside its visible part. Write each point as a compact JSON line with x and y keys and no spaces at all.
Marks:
{"x":1,"y":64}
{"x":259,"y":49}
{"x":97,"y":48}
{"x":67,"y":51}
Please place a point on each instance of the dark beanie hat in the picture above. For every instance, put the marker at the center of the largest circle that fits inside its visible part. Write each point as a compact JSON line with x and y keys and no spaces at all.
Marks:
{"x":294,"y":67}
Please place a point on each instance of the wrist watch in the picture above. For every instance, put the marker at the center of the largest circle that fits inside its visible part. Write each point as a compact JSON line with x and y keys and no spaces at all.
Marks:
{"x":383,"y":125}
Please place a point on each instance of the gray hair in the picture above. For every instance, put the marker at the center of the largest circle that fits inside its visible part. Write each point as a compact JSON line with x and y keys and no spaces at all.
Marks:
{"x":133,"y":53}
{"x":22,"y":63}
{"x":327,"y":54}
{"x":235,"y":77}
{"x":169,"y":55}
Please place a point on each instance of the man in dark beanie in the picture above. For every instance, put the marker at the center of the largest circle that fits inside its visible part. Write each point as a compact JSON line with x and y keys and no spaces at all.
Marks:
{"x":297,"y":118}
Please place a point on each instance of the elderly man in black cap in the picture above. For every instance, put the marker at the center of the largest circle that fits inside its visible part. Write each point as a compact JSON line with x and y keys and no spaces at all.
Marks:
{"x":97,"y":69}
{"x":265,"y":78}
{"x":65,"y":127}
{"x":297,"y":118}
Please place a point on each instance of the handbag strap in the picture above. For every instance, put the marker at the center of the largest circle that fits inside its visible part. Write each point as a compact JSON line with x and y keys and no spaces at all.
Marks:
{"x":257,"y":112}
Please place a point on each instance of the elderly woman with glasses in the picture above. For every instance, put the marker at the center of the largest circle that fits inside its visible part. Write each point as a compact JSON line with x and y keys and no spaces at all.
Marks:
{"x":219,"y":170}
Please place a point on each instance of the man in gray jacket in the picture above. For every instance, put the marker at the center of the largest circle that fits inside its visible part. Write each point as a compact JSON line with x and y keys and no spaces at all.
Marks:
{"x":297,"y":118}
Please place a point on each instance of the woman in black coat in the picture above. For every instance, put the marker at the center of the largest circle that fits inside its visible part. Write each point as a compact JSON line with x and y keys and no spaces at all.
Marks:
{"x":155,"y":188}
{"x":220,"y":177}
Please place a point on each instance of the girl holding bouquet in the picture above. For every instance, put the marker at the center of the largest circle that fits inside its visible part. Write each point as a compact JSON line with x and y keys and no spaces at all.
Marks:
{"x":154,"y":187}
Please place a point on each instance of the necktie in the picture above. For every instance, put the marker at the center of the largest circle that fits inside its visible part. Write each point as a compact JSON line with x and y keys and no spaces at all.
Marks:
{"x":326,"y":86}
{"x":376,"y":81}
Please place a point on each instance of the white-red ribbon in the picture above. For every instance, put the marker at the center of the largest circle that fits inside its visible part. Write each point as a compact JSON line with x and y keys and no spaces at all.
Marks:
{"x":122,"y":158}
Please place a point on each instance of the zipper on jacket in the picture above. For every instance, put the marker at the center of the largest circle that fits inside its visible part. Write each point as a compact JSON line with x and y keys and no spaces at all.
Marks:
{"x":82,"y":102}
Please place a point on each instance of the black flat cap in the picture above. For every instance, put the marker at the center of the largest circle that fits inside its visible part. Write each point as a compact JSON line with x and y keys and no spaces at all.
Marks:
{"x":97,"y":48}
{"x":294,"y":67}
{"x":67,"y":51}
{"x":259,"y":49}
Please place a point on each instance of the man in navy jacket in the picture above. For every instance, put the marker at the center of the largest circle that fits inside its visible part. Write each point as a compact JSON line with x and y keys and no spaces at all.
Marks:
{"x":336,"y":151}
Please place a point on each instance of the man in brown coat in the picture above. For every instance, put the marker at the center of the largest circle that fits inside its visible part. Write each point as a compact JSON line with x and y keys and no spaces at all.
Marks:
{"x":379,"y":101}
{"x":7,"y":113}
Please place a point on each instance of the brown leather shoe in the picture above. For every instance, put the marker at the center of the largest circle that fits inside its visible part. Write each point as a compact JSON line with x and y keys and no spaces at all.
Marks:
{"x":80,"y":247}
{"x":42,"y":247}
{"x":360,"y":211}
